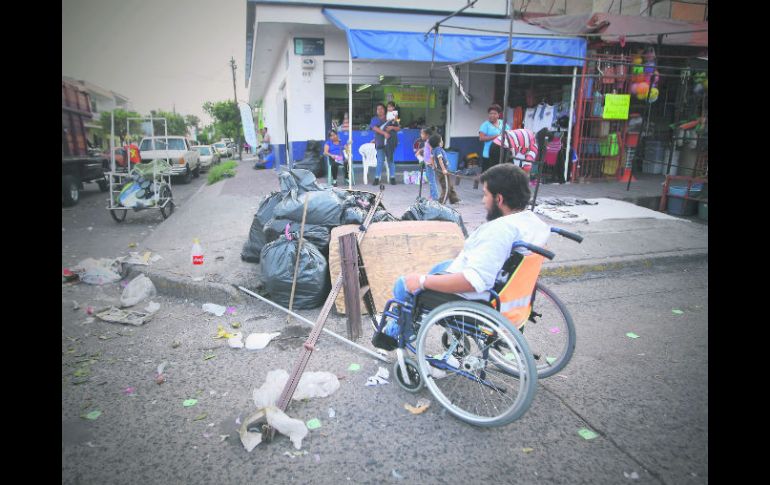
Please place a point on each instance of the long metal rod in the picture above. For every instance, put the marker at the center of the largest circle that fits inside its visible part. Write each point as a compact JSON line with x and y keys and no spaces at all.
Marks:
{"x":569,"y":128}
{"x":311,"y":324}
{"x":508,"y":61}
{"x":437,"y":24}
{"x":350,"y":121}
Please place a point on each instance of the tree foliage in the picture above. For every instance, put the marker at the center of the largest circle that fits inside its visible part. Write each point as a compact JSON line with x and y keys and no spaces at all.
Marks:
{"x":121,"y":117}
{"x":227,"y":118}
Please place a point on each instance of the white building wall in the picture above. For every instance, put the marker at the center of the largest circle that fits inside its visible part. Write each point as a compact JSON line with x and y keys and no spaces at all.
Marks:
{"x":305,"y":96}
{"x":465,"y":119}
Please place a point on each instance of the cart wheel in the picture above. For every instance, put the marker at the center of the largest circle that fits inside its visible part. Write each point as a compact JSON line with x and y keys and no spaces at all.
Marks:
{"x":119,"y":214}
{"x":416,"y":383}
{"x":165,"y":194}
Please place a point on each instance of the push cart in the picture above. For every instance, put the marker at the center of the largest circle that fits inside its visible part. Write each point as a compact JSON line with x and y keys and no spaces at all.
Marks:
{"x":140,"y":186}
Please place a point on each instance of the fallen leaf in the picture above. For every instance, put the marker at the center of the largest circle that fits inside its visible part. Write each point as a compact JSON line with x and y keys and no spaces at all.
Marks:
{"x":236,"y":324}
{"x":527,"y":450}
{"x":132,"y":245}
{"x":222,"y":333}
{"x":92,"y":415}
{"x":587,"y":434}
{"x":677,"y":312}
{"x":189,"y":402}
{"x":632,"y":335}
{"x":354,"y":367}
{"x":209,"y":356}
{"x":200,"y":416}
{"x":314,"y":423}
{"x":422,"y":406}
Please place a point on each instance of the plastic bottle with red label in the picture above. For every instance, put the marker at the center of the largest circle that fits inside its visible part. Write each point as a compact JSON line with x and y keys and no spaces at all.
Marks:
{"x":196,"y":257}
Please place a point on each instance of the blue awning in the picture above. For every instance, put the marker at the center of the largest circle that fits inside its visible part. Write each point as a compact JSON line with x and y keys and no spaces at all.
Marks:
{"x":401,"y":37}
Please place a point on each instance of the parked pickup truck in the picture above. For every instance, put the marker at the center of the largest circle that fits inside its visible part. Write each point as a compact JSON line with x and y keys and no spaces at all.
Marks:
{"x":185,"y":162}
{"x":79,"y":164}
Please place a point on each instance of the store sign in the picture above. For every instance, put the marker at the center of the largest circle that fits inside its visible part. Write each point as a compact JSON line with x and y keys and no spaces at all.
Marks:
{"x":409,"y":97}
{"x":308,"y":47}
{"x":616,"y":106}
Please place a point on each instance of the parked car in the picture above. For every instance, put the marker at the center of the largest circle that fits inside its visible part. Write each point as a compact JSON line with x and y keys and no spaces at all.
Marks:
{"x":208,"y":155}
{"x":185,"y":162}
{"x":222,"y":149}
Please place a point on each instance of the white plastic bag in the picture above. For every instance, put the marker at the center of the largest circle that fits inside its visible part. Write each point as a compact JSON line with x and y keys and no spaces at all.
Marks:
{"x":214,"y":309}
{"x":98,"y":271}
{"x":140,"y":288}
{"x":257,"y":341}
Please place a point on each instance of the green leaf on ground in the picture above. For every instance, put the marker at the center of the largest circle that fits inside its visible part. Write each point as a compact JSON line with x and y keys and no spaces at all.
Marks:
{"x":676,"y":312}
{"x":314,"y":423}
{"x":587,"y":434}
{"x":354,"y":367}
{"x":209,"y":356}
{"x":92,"y":415}
{"x":200,"y":416}
{"x":632,"y":335}
{"x":189,"y":402}
{"x":550,"y":360}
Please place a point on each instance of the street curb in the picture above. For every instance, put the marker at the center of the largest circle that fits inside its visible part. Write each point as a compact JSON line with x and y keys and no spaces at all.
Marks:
{"x":567,"y":270}
{"x":180,"y":287}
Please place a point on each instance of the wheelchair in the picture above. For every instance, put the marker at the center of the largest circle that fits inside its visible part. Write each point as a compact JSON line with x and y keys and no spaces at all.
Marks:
{"x":473,"y":359}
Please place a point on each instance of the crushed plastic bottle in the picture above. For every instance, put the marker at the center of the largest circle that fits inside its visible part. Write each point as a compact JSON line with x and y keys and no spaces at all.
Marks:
{"x":196,"y":256}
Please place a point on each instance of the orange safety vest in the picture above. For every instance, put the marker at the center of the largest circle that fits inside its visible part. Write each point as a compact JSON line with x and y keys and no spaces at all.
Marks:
{"x":516,"y":295}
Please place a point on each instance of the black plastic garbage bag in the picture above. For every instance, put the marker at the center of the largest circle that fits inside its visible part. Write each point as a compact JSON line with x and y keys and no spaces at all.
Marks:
{"x":297,"y":179}
{"x":313,"y":161}
{"x":253,"y":246}
{"x":318,"y":235}
{"x":313,"y":284}
{"x":353,"y":215}
{"x":430,"y":210}
{"x":324,"y":208}
{"x":381,"y":215}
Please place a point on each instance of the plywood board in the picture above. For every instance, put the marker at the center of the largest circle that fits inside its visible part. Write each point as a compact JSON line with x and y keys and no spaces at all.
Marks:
{"x":392,"y":249}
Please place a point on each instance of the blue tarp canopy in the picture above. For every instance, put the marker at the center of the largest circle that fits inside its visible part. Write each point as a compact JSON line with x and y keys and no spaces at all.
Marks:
{"x":401,"y":37}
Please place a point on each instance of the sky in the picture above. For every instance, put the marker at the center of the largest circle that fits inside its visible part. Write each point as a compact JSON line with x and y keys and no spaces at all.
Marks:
{"x":161,"y":54}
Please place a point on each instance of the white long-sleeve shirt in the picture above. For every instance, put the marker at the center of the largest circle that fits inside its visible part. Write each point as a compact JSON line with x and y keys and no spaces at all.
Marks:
{"x":487,"y":248}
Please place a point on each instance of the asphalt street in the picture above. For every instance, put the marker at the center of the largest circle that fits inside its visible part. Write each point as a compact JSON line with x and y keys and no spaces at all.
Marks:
{"x":88,"y":231}
{"x":645,"y":397}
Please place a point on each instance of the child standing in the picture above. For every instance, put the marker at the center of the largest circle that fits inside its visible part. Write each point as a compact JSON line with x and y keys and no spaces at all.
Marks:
{"x":426,"y":158}
{"x":440,"y":160}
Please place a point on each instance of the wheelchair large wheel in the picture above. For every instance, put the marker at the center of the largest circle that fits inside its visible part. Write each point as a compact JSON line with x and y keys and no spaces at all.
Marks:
{"x":550,"y":333}
{"x":468,"y":383}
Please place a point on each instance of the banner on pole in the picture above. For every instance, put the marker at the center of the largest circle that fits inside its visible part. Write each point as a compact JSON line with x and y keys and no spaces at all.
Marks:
{"x":249,"y":133}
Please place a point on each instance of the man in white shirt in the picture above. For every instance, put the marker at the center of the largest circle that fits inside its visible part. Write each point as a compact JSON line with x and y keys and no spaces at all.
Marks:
{"x":473,"y":272}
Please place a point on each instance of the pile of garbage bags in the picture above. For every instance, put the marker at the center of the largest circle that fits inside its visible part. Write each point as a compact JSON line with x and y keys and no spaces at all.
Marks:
{"x":275,"y":232}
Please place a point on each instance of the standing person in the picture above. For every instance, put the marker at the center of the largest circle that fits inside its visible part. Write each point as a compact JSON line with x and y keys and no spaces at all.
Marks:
{"x":380,"y":138}
{"x":440,"y":161}
{"x":334,"y":148}
{"x":423,"y":154}
{"x":392,"y":126}
{"x":488,"y":131}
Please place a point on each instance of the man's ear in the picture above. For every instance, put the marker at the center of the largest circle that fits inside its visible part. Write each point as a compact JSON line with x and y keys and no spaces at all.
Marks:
{"x":499,"y":201}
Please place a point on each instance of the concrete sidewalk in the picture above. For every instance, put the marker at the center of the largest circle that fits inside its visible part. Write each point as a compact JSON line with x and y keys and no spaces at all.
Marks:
{"x":220,"y":216}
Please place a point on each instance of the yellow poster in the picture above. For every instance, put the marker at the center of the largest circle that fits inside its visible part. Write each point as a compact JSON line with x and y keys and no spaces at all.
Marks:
{"x":616,"y":106}
{"x":409,"y":97}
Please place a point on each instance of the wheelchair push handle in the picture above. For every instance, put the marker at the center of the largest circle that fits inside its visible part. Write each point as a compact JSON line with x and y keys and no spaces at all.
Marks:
{"x":569,"y":235}
{"x":535,"y":249}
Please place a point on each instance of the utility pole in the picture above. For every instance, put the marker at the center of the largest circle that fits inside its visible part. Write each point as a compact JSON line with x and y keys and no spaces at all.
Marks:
{"x":235,"y":98}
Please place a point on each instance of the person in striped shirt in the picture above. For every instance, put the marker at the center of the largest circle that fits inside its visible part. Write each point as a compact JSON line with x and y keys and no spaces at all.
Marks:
{"x":521,"y":142}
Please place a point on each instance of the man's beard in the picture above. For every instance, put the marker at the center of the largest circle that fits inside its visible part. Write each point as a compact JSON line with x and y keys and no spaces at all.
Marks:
{"x":494,"y":213}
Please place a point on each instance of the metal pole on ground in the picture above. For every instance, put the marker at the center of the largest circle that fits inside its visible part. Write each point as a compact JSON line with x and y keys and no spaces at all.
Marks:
{"x":569,"y":128}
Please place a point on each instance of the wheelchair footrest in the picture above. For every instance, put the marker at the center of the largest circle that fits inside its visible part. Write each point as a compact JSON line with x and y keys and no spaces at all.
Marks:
{"x":384,"y":342}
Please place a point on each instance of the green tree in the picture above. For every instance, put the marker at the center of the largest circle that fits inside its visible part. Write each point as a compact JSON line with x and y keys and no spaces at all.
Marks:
{"x":175,"y":122}
{"x":192,"y":120}
{"x":227,"y":118}
{"x":120,"y":124}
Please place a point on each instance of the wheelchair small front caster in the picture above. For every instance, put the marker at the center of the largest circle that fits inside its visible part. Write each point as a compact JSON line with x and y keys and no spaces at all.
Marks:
{"x":416,"y":383}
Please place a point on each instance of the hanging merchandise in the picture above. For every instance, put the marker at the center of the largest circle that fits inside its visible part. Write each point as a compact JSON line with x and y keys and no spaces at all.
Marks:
{"x":620,"y":74}
{"x":598,"y":105}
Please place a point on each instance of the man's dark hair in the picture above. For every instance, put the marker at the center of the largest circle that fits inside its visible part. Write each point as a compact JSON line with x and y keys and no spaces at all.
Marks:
{"x":378,"y":105}
{"x":495,"y":107}
{"x":434,"y":140}
{"x":509,"y":181}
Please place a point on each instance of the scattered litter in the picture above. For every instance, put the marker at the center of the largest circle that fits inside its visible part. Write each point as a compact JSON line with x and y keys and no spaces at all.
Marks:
{"x":632,"y":335}
{"x":214,"y":309}
{"x":422,"y":405}
{"x":587,"y":434}
{"x":278,"y":420}
{"x":510,"y":356}
{"x":677,"y":312}
{"x":159,"y":377}
{"x":209,"y":356}
{"x":129,"y":317}
{"x":381,"y":377}
{"x":175,"y":344}
{"x":90,"y":445}
{"x":68,"y":275}
{"x":527,"y":450}
{"x":632,"y":475}
{"x":314,"y":423}
{"x":152,"y":307}
{"x":129,"y":390}
{"x":90,"y":228}
{"x":236,"y":341}
{"x":222,"y":333}
{"x":89,"y":320}
{"x":238,"y":420}
{"x":317,"y":458}
{"x":256,"y":341}
{"x":550,"y":360}
{"x":98,"y":271}
{"x":189,"y":402}
{"x":92,"y":415}
{"x":200,"y":417}
{"x":295,"y":454}
{"x":236,"y":324}
{"x":207,"y":435}
{"x":332,"y":413}
{"x":354,"y":367}
{"x":132,"y":245}
{"x":89,"y":310}
{"x":396,"y":475}
{"x":137,"y":290}
{"x":555,"y":330}
{"x":75,"y":305}
{"x":223,"y":437}
{"x":230,"y":310}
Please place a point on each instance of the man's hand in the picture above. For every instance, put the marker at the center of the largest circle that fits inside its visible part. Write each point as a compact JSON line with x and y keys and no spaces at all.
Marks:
{"x":444,"y":171}
{"x":386,"y":134}
{"x":412,"y":282}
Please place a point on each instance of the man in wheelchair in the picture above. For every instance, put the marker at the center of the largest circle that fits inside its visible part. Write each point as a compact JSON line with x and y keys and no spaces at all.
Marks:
{"x":477,"y":269}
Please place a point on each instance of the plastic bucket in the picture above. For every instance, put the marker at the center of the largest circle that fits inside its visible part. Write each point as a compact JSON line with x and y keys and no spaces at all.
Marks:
{"x":453,"y":158}
{"x":681,"y":207}
{"x":703,"y":210}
